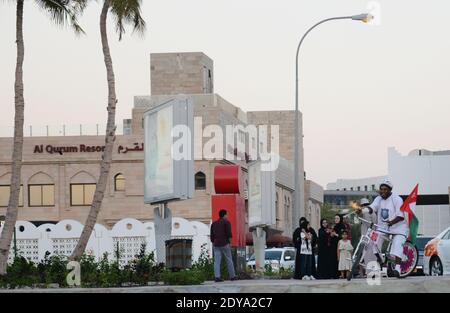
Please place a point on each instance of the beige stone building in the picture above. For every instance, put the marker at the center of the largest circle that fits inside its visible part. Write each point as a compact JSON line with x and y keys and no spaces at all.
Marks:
{"x":59,"y":173}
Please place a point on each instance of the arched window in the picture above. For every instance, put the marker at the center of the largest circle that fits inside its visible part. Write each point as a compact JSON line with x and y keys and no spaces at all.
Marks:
{"x":41,"y":190}
{"x":119,"y":182}
{"x":200,"y":181}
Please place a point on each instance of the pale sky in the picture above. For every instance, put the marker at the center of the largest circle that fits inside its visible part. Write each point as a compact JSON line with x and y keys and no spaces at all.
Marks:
{"x":363,"y":88}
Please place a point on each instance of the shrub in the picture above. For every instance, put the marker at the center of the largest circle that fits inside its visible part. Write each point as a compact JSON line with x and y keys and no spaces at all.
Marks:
{"x":183,"y":277}
{"x":105,"y":273}
{"x":142,"y":267}
{"x":205,"y":264}
{"x":286,"y":273}
{"x":89,"y":271}
{"x":55,"y":270}
{"x":110,"y":274}
{"x":21,"y":273}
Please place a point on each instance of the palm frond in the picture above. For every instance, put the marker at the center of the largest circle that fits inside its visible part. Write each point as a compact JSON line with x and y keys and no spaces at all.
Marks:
{"x":127,"y":12}
{"x":64,"y":12}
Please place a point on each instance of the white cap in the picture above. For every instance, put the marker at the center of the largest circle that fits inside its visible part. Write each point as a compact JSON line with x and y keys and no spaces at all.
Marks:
{"x":387,"y":182}
{"x":364,"y":201}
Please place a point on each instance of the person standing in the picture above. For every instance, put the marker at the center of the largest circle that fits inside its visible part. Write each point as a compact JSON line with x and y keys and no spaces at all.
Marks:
{"x":220,"y":237}
{"x":324,"y":261}
{"x":339,"y":225}
{"x":347,"y":227}
{"x":306,"y":253}
{"x":314,"y":239}
{"x":344,"y":253}
{"x":297,"y":241}
{"x":335,"y":235}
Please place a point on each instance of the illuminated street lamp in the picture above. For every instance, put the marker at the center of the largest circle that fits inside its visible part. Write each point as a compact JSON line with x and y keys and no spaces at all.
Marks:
{"x":365,"y":18}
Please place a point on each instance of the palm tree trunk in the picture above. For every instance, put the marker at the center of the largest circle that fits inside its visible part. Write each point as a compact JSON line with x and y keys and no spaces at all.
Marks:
{"x":109,"y":142}
{"x":19,"y":102}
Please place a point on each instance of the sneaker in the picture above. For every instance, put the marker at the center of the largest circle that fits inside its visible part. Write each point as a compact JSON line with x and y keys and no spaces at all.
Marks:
{"x":233,"y":278}
{"x":218,"y":280}
{"x":397,"y":271}
{"x":312,"y":278}
{"x":306,"y":278}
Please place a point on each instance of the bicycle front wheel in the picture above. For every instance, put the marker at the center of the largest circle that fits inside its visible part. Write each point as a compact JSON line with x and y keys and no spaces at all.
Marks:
{"x":356,"y":261}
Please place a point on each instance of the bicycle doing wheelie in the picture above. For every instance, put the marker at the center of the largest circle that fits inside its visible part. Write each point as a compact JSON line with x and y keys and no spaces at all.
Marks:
{"x":369,"y":240}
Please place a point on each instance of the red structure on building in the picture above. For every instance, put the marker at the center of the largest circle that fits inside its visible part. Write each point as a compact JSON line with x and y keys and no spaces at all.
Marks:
{"x":227,"y":184}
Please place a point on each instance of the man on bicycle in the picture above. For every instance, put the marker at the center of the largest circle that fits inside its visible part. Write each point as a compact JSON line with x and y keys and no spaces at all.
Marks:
{"x":387,"y":207}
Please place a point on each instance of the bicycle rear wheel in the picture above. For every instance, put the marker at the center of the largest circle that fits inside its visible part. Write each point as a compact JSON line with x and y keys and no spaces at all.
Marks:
{"x":408,"y":263}
{"x":411,"y":257}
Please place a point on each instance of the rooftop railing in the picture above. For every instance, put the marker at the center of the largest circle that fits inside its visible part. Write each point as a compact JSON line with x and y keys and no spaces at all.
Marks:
{"x":63,"y":130}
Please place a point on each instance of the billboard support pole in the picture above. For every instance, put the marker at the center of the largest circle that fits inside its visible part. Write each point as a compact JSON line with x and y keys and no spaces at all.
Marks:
{"x":163,"y":230}
{"x":259,"y":245}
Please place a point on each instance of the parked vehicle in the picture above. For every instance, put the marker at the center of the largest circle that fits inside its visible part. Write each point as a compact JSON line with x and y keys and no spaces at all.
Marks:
{"x":277,"y":258}
{"x":436,"y":261}
{"x":421,"y":241}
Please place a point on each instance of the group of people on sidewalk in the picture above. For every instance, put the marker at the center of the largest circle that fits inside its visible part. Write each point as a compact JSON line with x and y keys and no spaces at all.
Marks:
{"x":332,"y":246}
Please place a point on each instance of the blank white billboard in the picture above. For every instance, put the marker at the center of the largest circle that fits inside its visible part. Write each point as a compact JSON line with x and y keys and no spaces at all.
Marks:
{"x":167,"y":175}
{"x":261,"y":196}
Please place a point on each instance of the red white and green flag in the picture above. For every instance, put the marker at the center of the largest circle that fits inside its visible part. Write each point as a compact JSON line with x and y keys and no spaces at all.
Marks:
{"x":409,"y":206}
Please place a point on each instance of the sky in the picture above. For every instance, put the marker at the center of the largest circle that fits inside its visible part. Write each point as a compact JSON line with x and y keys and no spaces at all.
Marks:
{"x":363,"y":88}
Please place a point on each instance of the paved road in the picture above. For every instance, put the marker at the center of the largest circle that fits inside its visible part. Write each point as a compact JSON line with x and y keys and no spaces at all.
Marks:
{"x":388,"y":285}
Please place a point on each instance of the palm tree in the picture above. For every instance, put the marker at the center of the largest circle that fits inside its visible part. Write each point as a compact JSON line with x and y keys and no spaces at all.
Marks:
{"x":61,"y":12}
{"x":124,"y":12}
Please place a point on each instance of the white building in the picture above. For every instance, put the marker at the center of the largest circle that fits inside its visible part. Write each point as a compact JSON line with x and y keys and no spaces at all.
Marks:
{"x":358,"y":184}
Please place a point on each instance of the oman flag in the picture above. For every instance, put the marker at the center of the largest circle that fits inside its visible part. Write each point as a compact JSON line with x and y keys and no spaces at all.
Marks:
{"x":408,"y":207}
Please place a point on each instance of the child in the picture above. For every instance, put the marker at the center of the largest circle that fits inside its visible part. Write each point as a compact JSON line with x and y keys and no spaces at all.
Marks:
{"x":344,"y":254}
{"x":306,"y":256}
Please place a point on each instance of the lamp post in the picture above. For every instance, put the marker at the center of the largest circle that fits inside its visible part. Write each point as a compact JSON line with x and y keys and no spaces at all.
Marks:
{"x":360,"y":17}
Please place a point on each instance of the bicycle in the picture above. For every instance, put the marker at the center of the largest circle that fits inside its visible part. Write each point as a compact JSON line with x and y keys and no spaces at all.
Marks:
{"x":373,"y":232}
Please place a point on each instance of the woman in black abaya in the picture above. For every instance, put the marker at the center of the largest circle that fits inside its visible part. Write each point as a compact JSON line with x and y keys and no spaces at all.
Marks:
{"x":324,"y":261}
{"x":296,"y":238}
{"x":336,"y":235}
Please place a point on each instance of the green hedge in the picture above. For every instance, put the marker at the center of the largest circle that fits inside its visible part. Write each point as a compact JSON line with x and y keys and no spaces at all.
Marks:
{"x":53,"y":270}
{"x":184,"y":277}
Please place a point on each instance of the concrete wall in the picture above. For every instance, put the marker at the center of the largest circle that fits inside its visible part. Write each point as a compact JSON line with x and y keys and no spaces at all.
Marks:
{"x":313,"y":202}
{"x":181,"y":73}
{"x":285,"y":121}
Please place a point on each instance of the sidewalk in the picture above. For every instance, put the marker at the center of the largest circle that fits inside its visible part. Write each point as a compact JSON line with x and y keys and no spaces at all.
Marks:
{"x":388,"y":285}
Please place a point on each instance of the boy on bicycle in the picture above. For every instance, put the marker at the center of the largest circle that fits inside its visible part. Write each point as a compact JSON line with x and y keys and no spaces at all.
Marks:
{"x":387,"y":207}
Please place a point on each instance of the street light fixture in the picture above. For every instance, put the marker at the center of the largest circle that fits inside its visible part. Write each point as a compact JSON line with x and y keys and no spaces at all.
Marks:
{"x":365,"y":18}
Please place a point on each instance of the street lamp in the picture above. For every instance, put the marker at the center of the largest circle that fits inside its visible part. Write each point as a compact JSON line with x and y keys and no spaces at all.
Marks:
{"x":365,"y":17}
